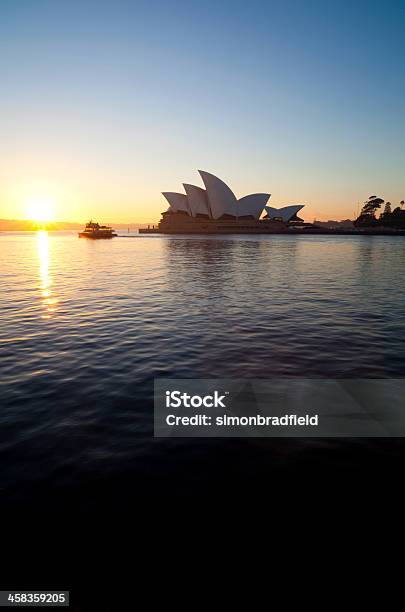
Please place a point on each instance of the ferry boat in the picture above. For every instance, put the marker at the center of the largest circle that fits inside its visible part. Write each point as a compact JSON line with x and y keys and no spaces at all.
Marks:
{"x":96,"y":231}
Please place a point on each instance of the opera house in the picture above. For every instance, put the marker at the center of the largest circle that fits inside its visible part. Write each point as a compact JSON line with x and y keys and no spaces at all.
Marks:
{"x":215,"y":209}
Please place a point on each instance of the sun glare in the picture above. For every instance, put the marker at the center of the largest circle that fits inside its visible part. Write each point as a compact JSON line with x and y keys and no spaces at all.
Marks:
{"x":40,"y":211}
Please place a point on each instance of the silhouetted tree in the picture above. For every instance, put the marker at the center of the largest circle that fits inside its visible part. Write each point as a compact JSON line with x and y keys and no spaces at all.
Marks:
{"x":402,"y":202}
{"x":387,"y":209}
{"x":367,"y":215}
{"x":371,"y":206}
{"x":396,"y":219}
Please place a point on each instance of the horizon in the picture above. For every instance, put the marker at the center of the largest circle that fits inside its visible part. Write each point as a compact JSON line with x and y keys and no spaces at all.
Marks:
{"x":48,"y":224}
{"x":108,"y":104}
{"x":42,"y":224}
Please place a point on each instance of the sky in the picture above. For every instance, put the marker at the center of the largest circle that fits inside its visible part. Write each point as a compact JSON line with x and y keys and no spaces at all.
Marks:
{"x":104,"y":104}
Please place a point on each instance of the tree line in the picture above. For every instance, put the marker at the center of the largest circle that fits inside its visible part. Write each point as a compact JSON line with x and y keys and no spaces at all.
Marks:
{"x":390,"y":217}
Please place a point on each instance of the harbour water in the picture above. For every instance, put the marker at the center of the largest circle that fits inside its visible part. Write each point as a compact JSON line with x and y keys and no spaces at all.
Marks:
{"x":86,"y":326}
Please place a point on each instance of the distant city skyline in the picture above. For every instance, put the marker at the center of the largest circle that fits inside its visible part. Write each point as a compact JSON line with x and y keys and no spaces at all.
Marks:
{"x":106,"y":104}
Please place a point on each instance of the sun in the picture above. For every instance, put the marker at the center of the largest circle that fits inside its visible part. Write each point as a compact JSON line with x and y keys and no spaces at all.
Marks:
{"x":40,"y":210}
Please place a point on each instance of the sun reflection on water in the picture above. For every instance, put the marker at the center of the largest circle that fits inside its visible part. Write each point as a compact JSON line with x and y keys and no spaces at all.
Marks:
{"x":49,"y":301}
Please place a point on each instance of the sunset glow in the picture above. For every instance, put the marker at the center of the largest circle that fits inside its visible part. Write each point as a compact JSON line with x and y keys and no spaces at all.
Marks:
{"x":49,"y":301}
{"x":40,"y":211}
{"x":140,"y":100}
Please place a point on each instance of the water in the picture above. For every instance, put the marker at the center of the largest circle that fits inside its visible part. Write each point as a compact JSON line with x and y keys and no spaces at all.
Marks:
{"x":85,"y":326}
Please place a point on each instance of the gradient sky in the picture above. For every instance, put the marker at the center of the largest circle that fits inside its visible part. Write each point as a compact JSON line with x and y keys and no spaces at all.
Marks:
{"x":104,"y":104}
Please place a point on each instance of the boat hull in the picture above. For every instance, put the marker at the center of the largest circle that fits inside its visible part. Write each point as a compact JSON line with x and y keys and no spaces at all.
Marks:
{"x":95,"y":236}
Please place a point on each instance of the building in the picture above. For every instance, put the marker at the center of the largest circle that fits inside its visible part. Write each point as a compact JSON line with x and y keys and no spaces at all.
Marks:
{"x":216,"y":209}
{"x":286,"y":214}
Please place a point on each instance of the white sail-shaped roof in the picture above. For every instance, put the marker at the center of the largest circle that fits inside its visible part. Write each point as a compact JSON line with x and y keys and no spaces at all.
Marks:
{"x":218,"y":200}
{"x":197,"y":200}
{"x":221,"y":199}
{"x":285,"y":213}
{"x":252,"y":204}
{"x":177,"y":201}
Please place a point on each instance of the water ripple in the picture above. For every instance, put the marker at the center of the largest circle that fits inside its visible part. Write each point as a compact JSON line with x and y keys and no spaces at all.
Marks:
{"x":86,"y":326}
